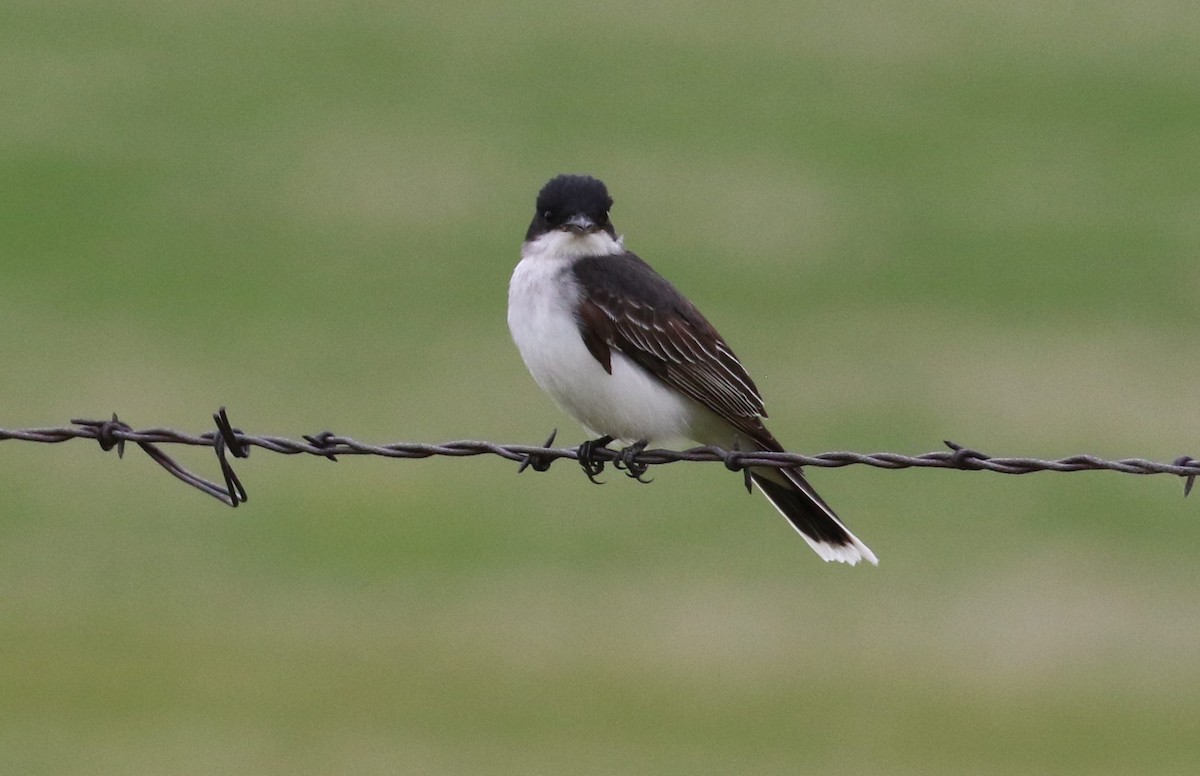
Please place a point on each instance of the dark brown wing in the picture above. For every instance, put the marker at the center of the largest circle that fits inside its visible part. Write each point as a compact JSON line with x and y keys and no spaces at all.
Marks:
{"x":629,"y":307}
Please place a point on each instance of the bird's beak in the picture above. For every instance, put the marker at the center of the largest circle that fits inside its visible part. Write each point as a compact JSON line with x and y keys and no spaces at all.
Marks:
{"x":579,"y":224}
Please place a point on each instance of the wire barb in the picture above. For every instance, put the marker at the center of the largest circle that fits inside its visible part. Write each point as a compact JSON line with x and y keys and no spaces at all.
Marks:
{"x":965,"y":457}
{"x":733,"y":462}
{"x":105,"y":433}
{"x":537,"y":461}
{"x":1189,"y":480}
{"x":634,"y":461}
{"x":322,"y":439}
{"x":227,"y":440}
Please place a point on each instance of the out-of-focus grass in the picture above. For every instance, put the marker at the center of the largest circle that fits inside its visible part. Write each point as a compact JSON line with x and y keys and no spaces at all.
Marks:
{"x":913,"y":221}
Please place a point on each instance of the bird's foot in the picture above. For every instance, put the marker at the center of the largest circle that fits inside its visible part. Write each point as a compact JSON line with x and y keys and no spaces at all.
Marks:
{"x":538,"y":461}
{"x":626,"y":461}
{"x":591,"y":466}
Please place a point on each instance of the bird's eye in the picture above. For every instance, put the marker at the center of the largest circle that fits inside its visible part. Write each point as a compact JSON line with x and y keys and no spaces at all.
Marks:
{"x":548,"y":215}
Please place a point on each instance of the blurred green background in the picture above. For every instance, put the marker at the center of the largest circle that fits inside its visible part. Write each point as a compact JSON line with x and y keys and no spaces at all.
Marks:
{"x":914,"y":221}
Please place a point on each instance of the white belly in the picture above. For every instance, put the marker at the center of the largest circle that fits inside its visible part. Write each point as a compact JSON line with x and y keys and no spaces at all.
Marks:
{"x":629,"y":404}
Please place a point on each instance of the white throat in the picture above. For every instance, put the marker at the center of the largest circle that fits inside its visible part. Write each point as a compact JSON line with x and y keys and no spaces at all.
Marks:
{"x":569,"y":246}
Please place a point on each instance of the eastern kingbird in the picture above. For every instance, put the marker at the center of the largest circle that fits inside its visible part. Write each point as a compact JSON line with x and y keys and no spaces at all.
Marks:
{"x":625,"y":354}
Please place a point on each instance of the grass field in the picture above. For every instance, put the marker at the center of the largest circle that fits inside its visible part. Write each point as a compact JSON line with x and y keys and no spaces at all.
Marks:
{"x":914,"y":222}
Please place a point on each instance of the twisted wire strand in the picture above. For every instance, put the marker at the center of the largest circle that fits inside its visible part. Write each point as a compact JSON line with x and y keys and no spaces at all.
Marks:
{"x":227,"y":440}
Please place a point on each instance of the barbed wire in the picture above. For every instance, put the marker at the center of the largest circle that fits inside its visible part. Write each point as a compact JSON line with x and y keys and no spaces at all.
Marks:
{"x":227,"y":440}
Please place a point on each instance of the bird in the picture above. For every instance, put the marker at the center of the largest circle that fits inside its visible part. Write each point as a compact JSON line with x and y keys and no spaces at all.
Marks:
{"x":629,"y":357}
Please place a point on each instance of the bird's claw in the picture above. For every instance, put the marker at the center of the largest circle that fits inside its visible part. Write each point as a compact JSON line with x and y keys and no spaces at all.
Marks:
{"x":592,"y":466}
{"x":626,"y":461}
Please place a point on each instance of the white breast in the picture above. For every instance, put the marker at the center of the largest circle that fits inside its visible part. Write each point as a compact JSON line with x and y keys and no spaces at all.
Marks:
{"x":629,"y":404}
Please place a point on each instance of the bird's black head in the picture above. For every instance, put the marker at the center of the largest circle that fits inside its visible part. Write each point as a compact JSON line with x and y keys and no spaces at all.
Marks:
{"x":572,"y":203}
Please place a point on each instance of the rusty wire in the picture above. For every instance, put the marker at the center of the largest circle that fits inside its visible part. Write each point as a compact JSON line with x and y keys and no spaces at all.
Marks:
{"x":227,"y":440}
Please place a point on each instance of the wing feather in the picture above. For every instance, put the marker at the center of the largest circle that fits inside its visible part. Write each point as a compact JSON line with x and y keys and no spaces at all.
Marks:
{"x":629,"y":307}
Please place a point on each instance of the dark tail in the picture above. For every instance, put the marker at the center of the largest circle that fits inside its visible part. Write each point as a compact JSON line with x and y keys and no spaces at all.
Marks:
{"x":812,"y":518}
